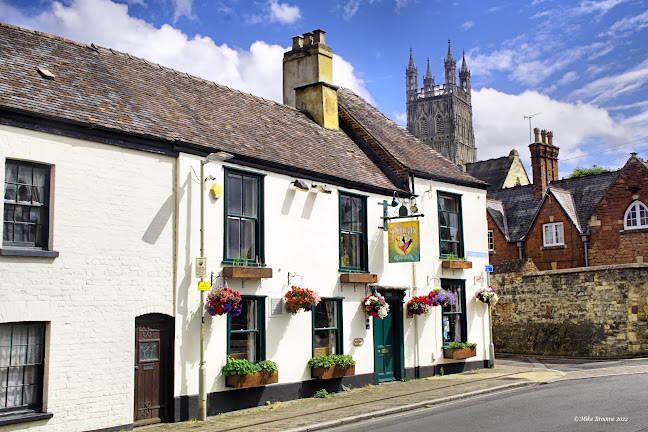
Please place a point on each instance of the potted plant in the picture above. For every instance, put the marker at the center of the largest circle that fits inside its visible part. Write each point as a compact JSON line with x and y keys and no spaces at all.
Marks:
{"x":223,"y":300}
{"x":375,"y":306}
{"x":441,"y":297}
{"x":487,"y":295}
{"x":300,"y":298}
{"x":453,"y":262}
{"x":242,"y":268}
{"x":460,"y":350}
{"x":332,"y":366}
{"x":240,"y":373}
{"x":421,"y":305}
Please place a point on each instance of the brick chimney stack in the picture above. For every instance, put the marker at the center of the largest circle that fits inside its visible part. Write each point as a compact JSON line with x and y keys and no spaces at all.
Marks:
{"x":544,"y":162}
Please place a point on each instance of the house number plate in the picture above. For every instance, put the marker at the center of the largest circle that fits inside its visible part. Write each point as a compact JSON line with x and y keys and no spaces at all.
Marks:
{"x":384,"y":350}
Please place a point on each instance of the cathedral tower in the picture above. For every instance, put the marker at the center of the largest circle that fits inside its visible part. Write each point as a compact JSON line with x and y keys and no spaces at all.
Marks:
{"x":441,"y":115}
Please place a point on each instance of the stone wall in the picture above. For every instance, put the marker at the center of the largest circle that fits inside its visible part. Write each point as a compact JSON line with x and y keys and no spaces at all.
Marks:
{"x":582,"y":312}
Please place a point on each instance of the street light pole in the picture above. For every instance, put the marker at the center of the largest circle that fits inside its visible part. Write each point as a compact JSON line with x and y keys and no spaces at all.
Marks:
{"x":202,"y":371}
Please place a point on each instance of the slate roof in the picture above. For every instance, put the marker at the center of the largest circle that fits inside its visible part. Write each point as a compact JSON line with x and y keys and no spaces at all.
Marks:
{"x":409,"y":150}
{"x":577,"y":196}
{"x":104,"y":89}
{"x":492,"y":171}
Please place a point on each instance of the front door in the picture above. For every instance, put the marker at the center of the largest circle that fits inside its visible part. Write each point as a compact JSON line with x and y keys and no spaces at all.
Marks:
{"x":388,"y":343}
{"x":153,"y":372}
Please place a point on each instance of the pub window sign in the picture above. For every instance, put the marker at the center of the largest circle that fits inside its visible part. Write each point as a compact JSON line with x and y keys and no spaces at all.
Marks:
{"x":404,"y":242}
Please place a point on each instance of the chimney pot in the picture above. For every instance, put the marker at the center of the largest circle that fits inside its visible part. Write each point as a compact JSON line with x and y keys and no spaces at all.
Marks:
{"x":318,"y":36}
{"x":543,"y":133}
{"x":298,"y":42}
{"x":308,"y":38}
{"x":550,"y":138}
{"x":536,"y":132}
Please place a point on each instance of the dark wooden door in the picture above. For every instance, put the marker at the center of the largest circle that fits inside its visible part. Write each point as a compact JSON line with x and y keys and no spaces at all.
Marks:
{"x":153,"y":371}
{"x":384,"y":348}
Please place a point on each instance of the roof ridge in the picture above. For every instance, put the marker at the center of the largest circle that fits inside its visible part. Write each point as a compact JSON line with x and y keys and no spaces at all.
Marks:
{"x":44,"y":34}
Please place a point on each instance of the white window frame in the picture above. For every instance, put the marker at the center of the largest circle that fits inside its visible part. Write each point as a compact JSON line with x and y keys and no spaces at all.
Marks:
{"x":553,"y":234}
{"x":491,"y":241}
{"x":641,"y":221}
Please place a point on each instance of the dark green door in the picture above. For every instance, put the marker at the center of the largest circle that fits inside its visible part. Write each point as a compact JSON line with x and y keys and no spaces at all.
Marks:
{"x":386,"y":353}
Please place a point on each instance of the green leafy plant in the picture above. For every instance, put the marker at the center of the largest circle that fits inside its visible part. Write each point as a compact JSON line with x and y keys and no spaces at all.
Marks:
{"x":582,"y":171}
{"x":331,"y":360}
{"x":243,"y":367}
{"x":322,"y":394}
{"x":453,"y":257}
{"x":460,"y":345}
{"x":346,"y":388}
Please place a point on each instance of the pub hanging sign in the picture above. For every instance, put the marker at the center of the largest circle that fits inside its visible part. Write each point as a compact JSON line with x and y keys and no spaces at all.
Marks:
{"x":404,"y":244}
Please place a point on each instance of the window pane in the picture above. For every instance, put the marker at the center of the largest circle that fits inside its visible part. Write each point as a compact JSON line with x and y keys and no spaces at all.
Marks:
{"x":326,"y":314}
{"x":448,"y":204}
{"x":247,"y":320}
{"x":11,"y":173}
{"x":643,"y":215}
{"x":325,"y":342}
{"x":234,"y":194}
{"x":30,"y":394}
{"x":243,"y":346}
{"x":38,"y":195}
{"x":24,"y":174}
{"x":452,"y":328}
{"x":559,"y":233}
{"x":10,"y":192}
{"x":350,"y":254}
{"x":346,"y":213}
{"x":356,"y":214}
{"x":233,"y":238}
{"x":40,"y":176}
{"x":14,"y":398}
{"x":24,"y":193}
{"x":21,"y":213}
{"x":149,"y":351}
{"x":250,"y":196}
{"x":248,"y":237}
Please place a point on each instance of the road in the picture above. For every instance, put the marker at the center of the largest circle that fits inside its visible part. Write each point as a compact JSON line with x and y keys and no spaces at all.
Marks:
{"x":607,"y":402}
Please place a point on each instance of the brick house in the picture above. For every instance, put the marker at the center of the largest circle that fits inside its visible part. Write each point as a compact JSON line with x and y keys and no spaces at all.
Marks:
{"x":122,"y":179}
{"x":589,"y":220}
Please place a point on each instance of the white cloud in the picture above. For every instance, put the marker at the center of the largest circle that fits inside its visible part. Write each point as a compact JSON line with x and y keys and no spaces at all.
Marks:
{"x":570,"y":76}
{"x":182,"y":8}
{"x":613,"y":86}
{"x":257,"y":70}
{"x":467,"y":25}
{"x":400,"y":118}
{"x":629,"y":25}
{"x":595,"y":6}
{"x":500,"y":126}
{"x":283,"y":12}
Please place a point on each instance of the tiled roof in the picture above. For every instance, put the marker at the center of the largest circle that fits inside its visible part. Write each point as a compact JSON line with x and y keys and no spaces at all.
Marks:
{"x":104,"y":89}
{"x":578,"y":196}
{"x":492,"y":171}
{"x":405,"y":147}
{"x":497,"y":212}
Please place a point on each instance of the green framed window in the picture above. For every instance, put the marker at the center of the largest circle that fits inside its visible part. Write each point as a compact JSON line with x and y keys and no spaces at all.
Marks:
{"x":353,"y":232}
{"x":246,"y":332}
{"x":26,"y":204}
{"x":450,"y":225}
{"x":243,"y":217}
{"x":22,"y":354}
{"x":327,"y":327}
{"x":454,"y":316}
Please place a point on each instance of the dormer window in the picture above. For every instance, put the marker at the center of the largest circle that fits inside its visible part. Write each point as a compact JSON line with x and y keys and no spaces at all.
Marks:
{"x":636,"y":216}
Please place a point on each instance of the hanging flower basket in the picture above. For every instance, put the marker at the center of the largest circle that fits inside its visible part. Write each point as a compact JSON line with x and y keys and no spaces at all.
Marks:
{"x":487,"y":295}
{"x":300,"y":298}
{"x":421,"y":305}
{"x":376,"y":306}
{"x":223,"y":300}
{"x":441,"y":297}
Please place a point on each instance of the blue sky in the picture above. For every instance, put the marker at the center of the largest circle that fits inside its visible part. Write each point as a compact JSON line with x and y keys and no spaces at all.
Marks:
{"x":583,"y":65}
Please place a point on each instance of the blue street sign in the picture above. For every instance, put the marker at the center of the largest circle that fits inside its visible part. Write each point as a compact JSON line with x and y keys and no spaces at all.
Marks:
{"x":488,"y":268}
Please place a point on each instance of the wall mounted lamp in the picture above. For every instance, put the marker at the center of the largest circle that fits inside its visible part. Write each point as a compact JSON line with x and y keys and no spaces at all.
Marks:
{"x":394,"y":202}
{"x":321,"y":188}
{"x":219,"y":156}
{"x":299,"y":185}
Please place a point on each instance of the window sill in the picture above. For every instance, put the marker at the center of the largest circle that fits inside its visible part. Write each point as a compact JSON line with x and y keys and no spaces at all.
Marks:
{"x":358,"y":278}
{"x":456,"y":264}
{"x":554,"y":247}
{"x":236,"y":272}
{"x":26,"y":252}
{"x":22,"y":417}
{"x":634,"y":231}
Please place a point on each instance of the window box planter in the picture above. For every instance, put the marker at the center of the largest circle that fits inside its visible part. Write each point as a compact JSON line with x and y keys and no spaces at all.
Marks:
{"x":459,"y":353}
{"x":358,"y":278}
{"x":258,"y":379}
{"x":456,"y":264}
{"x":247,"y":272}
{"x":332,"y":372}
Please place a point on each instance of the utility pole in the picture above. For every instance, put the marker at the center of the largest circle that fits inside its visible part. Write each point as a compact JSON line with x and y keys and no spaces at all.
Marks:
{"x":530,"y":117}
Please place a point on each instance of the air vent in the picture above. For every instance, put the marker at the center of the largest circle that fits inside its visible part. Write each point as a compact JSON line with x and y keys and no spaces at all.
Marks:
{"x":46,"y":73}
{"x":276,"y":307}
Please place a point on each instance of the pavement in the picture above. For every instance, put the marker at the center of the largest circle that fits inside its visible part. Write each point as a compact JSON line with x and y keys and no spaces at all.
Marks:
{"x":371,"y":401}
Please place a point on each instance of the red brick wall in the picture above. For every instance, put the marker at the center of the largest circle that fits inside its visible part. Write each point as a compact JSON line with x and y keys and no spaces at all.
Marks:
{"x":504,"y":251}
{"x":609,"y":243}
{"x":568,"y":256}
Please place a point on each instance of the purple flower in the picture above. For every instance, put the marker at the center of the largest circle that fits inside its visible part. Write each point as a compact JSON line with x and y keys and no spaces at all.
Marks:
{"x":236,"y":312}
{"x":227,"y":307}
{"x":210,"y":310}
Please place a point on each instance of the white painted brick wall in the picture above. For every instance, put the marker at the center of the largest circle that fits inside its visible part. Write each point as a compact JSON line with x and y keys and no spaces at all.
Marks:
{"x":113,"y":226}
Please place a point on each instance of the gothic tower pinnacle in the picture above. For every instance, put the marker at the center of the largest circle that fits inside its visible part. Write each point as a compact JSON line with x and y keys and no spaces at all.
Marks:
{"x":450,"y":66}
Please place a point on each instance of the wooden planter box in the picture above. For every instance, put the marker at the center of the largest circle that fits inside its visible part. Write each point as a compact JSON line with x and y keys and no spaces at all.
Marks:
{"x":247,"y":272}
{"x":458,"y":354}
{"x":358,"y":278}
{"x":256,"y":380}
{"x":332,"y":372}
{"x":456,"y":264}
